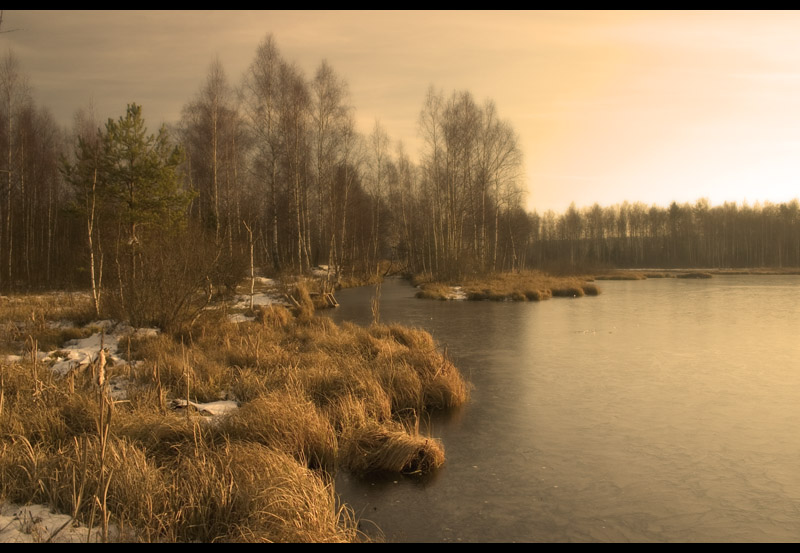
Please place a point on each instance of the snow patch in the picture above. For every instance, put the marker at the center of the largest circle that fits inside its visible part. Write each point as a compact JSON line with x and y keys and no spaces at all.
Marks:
{"x":81,"y":353}
{"x":264,"y":298}
{"x":38,"y":524}
{"x":240,"y":318}
{"x":213,"y":408}
{"x":266,"y":281}
{"x":456,"y":293}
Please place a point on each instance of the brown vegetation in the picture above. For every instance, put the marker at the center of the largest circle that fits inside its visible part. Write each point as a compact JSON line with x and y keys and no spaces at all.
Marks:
{"x":694,"y":274}
{"x":645,"y":274}
{"x":523,"y":286}
{"x":315,"y":397}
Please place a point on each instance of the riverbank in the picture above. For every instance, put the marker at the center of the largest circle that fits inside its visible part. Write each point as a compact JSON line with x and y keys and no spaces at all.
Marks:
{"x":229,"y":431}
{"x":523,"y":286}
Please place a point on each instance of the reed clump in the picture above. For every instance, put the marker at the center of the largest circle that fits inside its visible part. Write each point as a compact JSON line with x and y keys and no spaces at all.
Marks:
{"x":247,"y":492}
{"x":522,"y":286}
{"x":284,"y":420}
{"x":275,"y":316}
{"x":382,"y":448}
{"x":622,"y":275}
{"x":659,"y":274}
{"x":434,"y":291}
{"x":590,"y":289}
{"x":304,"y":307}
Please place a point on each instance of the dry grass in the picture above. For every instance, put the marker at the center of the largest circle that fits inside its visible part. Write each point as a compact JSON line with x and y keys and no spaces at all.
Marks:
{"x":50,"y":319}
{"x":642,"y":275}
{"x":434,"y":291}
{"x":659,"y":274}
{"x":382,"y":448}
{"x":315,"y":397}
{"x":524,"y":286}
{"x":622,"y":275}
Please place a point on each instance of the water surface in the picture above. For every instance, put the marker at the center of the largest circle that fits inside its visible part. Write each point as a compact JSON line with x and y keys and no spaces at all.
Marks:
{"x":663,"y":410}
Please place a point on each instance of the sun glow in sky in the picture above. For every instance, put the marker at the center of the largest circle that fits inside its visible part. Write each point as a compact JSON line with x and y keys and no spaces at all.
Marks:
{"x":609,"y":106}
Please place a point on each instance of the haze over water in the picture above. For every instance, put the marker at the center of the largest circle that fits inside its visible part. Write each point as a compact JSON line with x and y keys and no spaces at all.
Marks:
{"x":661,"y":411}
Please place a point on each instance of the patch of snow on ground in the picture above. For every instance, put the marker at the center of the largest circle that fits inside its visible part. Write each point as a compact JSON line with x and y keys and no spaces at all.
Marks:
{"x":266,"y":298}
{"x":240,"y":318}
{"x":83,"y":352}
{"x":80,"y":353}
{"x":38,"y":524}
{"x":266,"y":281}
{"x":212,"y":408}
{"x":457,"y":294}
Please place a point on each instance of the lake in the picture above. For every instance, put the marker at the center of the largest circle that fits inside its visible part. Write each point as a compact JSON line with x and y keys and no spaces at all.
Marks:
{"x":665,"y":410}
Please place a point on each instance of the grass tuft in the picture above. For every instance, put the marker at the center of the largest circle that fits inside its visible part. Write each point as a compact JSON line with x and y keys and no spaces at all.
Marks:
{"x":377,"y":448}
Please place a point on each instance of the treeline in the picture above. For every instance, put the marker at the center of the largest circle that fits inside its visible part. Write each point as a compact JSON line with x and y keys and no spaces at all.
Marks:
{"x":271,"y":165}
{"x":278,"y":159}
{"x":634,"y":235}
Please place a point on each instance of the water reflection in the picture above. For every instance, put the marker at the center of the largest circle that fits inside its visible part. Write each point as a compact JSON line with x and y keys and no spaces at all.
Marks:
{"x":663,"y":410}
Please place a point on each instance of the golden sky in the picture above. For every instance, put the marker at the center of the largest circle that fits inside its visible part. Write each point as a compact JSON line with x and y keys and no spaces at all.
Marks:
{"x":609,"y":106}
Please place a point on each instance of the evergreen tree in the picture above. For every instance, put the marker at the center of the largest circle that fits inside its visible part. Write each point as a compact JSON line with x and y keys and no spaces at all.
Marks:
{"x":139,"y":183}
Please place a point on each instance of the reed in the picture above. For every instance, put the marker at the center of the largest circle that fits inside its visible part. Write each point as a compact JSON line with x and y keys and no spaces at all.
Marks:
{"x":273,"y":499}
{"x":523,"y":286}
{"x":37,"y":309}
{"x":568,"y":292}
{"x":389,"y":448}
{"x":434,"y":291}
{"x":284,"y":420}
{"x":622,"y":275}
{"x":304,"y":308}
{"x":659,"y":274}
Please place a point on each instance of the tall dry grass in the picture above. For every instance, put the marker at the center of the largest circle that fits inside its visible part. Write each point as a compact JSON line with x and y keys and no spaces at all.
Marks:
{"x":314,"y":398}
{"x":50,"y":319}
{"x":523,"y":286}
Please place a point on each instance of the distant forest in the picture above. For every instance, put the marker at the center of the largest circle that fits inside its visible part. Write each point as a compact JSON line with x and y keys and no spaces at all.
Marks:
{"x":271,"y":170}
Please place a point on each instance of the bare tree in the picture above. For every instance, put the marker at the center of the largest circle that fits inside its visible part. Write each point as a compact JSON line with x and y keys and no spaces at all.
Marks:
{"x":82,"y":174}
{"x":209,"y":127}
{"x":294,"y":104}
{"x":378,"y":160}
{"x":14,"y":94}
{"x":329,"y":110}
{"x":261,"y":95}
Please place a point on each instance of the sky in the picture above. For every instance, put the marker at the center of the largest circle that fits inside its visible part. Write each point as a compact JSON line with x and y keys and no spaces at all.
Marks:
{"x":609,"y":106}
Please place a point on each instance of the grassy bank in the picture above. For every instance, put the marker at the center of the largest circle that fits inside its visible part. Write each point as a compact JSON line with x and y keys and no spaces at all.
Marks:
{"x":304,"y":398}
{"x":524,"y":286}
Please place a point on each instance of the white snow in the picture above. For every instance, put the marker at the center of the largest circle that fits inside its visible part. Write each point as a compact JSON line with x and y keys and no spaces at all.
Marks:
{"x":457,"y":293}
{"x":240,"y":318}
{"x":263,"y":298}
{"x":81,"y":353}
{"x":212,"y":408}
{"x":38,"y":524}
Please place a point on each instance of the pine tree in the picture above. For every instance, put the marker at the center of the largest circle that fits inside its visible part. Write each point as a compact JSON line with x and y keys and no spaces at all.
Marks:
{"x":140,"y":184}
